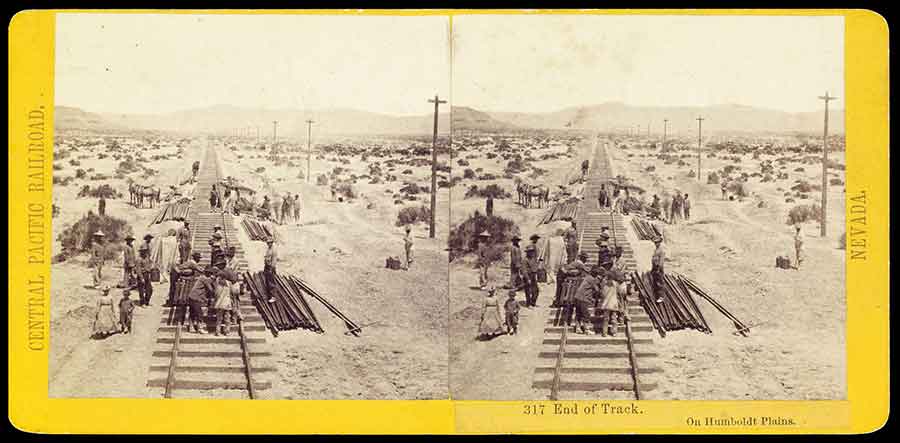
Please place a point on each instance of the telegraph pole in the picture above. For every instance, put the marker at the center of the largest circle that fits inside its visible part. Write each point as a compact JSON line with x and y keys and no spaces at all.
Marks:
{"x":308,"y":146}
{"x":257,"y":135}
{"x":437,"y":101}
{"x":274,"y":132}
{"x":665,"y":129}
{"x":827,"y":98}
{"x":699,"y":142}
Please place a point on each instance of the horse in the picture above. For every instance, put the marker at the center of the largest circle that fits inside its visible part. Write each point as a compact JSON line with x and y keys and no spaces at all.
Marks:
{"x":540,"y":193}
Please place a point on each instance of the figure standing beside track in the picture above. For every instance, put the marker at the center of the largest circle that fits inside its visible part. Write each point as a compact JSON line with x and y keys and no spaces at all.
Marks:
{"x":515,"y":264}
{"x":143,"y":268}
{"x":197,"y":298}
{"x":128,"y":262}
{"x":512,"y":313}
{"x":184,"y":237}
{"x":97,"y":257}
{"x":106,"y":321}
{"x":571,"y":238}
{"x":686,"y":205}
{"x":296,"y":207}
{"x":798,"y":246}
{"x":490,"y":324}
{"x":408,"y":247}
{"x":530,"y":268}
{"x":286,"y":209}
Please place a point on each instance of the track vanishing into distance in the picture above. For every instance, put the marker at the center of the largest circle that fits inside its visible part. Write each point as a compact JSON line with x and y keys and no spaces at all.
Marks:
{"x":190,"y":365}
{"x":592,"y":366}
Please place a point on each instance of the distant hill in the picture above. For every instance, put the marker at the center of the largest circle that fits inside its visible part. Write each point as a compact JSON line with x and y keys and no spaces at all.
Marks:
{"x":468,"y":119}
{"x":222,"y":119}
{"x":719,"y":118}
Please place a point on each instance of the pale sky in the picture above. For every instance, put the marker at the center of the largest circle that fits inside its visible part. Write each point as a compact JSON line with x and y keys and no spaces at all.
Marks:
{"x":533,"y":63}
{"x":151,"y":63}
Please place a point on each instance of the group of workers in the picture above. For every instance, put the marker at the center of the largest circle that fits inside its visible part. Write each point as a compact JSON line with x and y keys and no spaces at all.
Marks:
{"x":287,"y":211}
{"x":673,"y":209}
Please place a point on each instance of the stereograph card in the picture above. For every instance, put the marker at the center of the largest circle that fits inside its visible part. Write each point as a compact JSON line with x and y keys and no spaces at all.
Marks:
{"x":448,"y":221}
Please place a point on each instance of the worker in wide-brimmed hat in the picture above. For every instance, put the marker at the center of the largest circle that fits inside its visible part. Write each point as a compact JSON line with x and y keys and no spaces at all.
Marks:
{"x":571,"y":239}
{"x":98,"y":258}
{"x":484,"y":260}
{"x":530,"y":269}
{"x":128,"y":262}
{"x":604,"y":253}
{"x":585,"y":296}
{"x":657,"y":266}
{"x":184,"y":237}
{"x":515,"y":263}
{"x":216,"y":249}
{"x":610,"y":305}
{"x":147,"y":239}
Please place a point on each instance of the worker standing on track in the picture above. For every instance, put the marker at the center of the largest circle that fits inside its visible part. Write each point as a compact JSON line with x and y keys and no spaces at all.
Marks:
{"x":609,"y":307}
{"x":184,"y":237}
{"x":286,"y":209}
{"x":530,"y":268}
{"x":602,"y":197}
{"x":571,"y":237}
{"x":97,"y":258}
{"x":197,"y":298}
{"x":213,"y":198}
{"x":584,"y":297}
{"x":515,"y":264}
{"x":604,"y":254}
{"x":223,"y":302}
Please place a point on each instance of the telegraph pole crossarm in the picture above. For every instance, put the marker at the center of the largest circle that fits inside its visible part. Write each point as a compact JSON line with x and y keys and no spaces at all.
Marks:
{"x":437,"y":101}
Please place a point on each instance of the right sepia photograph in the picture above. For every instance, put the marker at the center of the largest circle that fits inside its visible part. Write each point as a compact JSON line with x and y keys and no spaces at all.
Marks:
{"x":647,"y":207}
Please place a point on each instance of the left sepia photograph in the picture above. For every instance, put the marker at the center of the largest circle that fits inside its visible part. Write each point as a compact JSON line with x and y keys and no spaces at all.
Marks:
{"x":250,"y":207}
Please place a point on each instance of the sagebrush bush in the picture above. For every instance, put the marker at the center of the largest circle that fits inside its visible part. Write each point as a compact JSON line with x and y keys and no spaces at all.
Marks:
{"x":712,"y":178}
{"x":737,"y":188}
{"x":492,"y":190}
{"x":463,"y":238}
{"x":469,"y":173}
{"x":802,"y":213}
{"x":104,"y":190}
{"x":322,"y":180}
{"x":411,"y":215}
{"x":77,"y":238}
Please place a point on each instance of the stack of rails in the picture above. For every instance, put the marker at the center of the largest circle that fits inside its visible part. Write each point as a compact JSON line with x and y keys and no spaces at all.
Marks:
{"x":288,"y":310}
{"x":257,"y":230}
{"x":564,"y":210}
{"x":178,"y":210}
{"x":673,"y":307}
{"x":645,"y":230}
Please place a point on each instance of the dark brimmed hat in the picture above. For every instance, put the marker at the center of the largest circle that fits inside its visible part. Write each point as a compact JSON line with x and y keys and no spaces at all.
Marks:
{"x":534,"y":237}
{"x":129,"y":237}
{"x":515,"y":238}
{"x":148,"y":236}
{"x":196,"y":254}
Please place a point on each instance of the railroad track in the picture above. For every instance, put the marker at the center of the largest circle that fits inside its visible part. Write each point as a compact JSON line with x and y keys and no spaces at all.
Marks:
{"x":592,"y":366}
{"x":199,"y":366}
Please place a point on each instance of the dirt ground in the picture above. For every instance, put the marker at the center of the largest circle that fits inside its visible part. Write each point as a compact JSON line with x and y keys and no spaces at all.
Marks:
{"x":338,"y":248}
{"x":796,"y":348}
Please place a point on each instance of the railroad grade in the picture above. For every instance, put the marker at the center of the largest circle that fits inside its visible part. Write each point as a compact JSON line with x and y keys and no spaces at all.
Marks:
{"x":578,"y":366}
{"x":191,"y":365}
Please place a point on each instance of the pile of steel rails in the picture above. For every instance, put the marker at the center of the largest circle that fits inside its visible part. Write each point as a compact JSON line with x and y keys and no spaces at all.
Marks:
{"x":256,"y":230}
{"x":284,"y":307}
{"x":564,"y":210}
{"x":177,"y":210}
{"x":671,"y":306}
{"x":645,"y":230}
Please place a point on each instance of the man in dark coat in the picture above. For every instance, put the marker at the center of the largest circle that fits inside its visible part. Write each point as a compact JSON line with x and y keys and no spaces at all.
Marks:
{"x":143,"y":267}
{"x":530,"y":268}
{"x":184,"y":237}
{"x":571,"y":238}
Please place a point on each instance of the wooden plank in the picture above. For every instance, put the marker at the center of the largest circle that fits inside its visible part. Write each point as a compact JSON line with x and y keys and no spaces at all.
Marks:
{"x":208,"y":385}
{"x":210,"y":369}
{"x":214,"y":354}
{"x":591,"y":386}
{"x":547,"y":369}
{"x":579,"y":354}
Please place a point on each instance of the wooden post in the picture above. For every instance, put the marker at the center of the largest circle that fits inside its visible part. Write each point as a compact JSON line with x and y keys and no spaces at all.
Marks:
{"x":827,"y":99}
{"x":437,"y":101}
